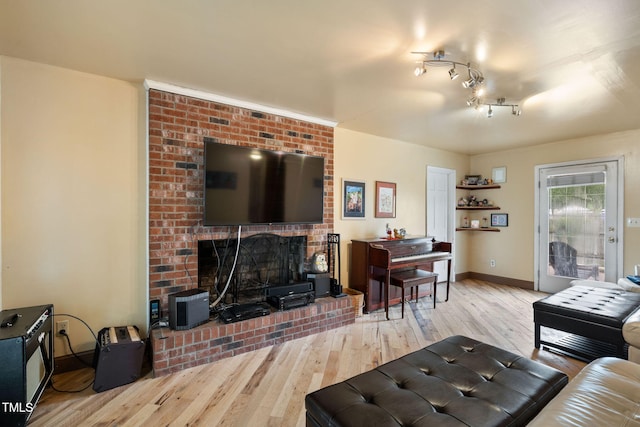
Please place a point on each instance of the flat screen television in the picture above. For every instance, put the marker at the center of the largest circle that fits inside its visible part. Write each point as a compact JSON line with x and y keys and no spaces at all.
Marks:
{"x":244,"y":186}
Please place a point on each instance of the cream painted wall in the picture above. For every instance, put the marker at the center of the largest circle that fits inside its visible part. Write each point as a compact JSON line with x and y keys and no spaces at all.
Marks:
{"x":363,"y":157}
{"x":72,"y":196}
{"x":513,"y":247}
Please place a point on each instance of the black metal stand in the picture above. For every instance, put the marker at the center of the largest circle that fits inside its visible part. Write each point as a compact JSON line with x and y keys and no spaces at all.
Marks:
{"x":333,"y":240}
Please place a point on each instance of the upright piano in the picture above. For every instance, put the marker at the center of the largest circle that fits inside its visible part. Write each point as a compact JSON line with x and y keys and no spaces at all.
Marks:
{"x":410,"y":252}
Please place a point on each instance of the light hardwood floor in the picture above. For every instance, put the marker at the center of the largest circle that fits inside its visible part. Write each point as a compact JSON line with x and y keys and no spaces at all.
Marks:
{"x":267,"y":387}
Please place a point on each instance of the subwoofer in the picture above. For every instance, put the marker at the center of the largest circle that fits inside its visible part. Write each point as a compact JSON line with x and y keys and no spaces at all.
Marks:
{"x":188,"y":309}
{"x":321,"y":284}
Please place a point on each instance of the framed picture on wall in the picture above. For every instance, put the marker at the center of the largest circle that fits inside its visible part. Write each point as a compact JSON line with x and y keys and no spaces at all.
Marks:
{"x":499,"y":220}
{"x":385,"y":199}
{"x":499,"y":175}
{"x":353,"y":199}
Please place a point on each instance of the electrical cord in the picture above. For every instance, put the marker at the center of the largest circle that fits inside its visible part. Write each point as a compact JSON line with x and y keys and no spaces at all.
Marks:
{"x":64,"y":333}
{"x":233,"y":267}
{"x":223,"y":260}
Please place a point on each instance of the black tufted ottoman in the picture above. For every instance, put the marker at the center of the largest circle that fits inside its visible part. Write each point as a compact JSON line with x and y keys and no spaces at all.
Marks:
{"x":455,"y":382}
{"x":593,"y":318}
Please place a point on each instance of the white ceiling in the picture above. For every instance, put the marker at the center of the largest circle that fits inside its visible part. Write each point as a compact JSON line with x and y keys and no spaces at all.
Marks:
{"x":572,"y":66}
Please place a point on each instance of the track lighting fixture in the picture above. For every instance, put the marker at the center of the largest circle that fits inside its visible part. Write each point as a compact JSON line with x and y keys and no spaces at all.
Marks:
{"x":474,"y":80}
{"x":500,"y":102}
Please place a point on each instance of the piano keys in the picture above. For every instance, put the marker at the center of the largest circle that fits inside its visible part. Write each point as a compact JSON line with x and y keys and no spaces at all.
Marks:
{"x":411,"y":252}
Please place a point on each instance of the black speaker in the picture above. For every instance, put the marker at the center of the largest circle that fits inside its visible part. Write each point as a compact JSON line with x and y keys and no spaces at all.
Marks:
{"x":321,"y":283}
{"x":188,"y":309}
{"x":118,"y":357}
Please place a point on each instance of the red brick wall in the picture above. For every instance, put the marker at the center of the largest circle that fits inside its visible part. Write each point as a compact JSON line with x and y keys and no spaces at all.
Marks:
{"x":178,"y":126}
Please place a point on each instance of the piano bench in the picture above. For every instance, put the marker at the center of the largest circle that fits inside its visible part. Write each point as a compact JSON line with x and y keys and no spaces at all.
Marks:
{"x":410,"y":279}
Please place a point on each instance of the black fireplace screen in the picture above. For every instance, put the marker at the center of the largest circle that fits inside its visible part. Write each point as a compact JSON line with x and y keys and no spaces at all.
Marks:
{"x":264,"y":260}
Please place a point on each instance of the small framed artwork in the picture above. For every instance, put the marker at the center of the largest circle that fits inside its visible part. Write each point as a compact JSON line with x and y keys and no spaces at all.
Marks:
{"x":385,"y":199}
{"x":499,"y":220}
{"x":353,"y":201}
{"x":472,"y":179}
{"x":499,"y":175}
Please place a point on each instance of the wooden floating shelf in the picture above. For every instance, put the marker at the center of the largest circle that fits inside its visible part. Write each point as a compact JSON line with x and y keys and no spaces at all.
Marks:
{"x":477,"y":229}
{"x":478,"y":208}
{"x":478,"y":187}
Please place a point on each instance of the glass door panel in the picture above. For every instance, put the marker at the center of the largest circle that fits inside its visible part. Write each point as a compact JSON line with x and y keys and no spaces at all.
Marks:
{"x":578,"y":223}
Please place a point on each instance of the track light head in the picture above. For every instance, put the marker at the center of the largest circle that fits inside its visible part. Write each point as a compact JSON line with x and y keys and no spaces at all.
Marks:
{"x":453,"y":74}
{"x":420,"y":70}
{"x":490,"y":112}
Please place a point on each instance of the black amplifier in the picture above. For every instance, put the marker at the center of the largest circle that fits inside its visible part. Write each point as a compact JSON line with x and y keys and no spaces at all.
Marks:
{"x":288,"y":289}
{"x":26,"y":355}
{"x":287,"y":302}
{"x":117,"y":358}
{"x":239,"y":312}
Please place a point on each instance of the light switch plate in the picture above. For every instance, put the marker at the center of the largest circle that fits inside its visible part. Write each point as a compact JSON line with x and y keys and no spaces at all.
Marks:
{"x":633,"y":222}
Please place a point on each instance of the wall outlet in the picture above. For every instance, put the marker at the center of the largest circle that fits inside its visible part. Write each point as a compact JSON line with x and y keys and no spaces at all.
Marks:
{"x":633,"y":222}
{"x":492,"y":263}
{"x":62,"y":325}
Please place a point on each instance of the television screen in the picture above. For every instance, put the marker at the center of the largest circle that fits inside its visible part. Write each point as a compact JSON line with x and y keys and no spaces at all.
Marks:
{"x":250,"y":186}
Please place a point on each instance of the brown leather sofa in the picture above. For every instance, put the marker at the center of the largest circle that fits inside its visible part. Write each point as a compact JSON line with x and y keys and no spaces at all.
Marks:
{"x":605,"y":393}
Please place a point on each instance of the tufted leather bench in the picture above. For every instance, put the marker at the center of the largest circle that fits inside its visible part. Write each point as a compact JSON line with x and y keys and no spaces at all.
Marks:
{"x":593,"y":317}
{"x":454,"y":382}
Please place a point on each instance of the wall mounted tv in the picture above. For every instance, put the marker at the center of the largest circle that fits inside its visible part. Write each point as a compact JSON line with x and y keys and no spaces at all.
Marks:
{"x":246,"y":186}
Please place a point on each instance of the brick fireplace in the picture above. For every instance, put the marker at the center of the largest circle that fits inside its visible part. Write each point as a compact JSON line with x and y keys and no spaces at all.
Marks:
{"x":178,"y":128}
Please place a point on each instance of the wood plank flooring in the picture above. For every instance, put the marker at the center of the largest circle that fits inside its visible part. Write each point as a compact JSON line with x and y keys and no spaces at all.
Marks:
{"x":267,"y":387}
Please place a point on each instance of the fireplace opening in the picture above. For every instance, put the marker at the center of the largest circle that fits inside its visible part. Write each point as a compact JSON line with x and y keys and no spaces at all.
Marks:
{"x":264,"y":260}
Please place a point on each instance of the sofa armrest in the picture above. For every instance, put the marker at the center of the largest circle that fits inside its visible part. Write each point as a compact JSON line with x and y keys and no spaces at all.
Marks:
{"x":605,"y":393}
{"x":628,"y":285}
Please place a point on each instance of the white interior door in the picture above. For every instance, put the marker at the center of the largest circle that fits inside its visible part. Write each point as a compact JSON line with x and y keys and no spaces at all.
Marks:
{"x":440,"y":211}
{"x":579,"y":219}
